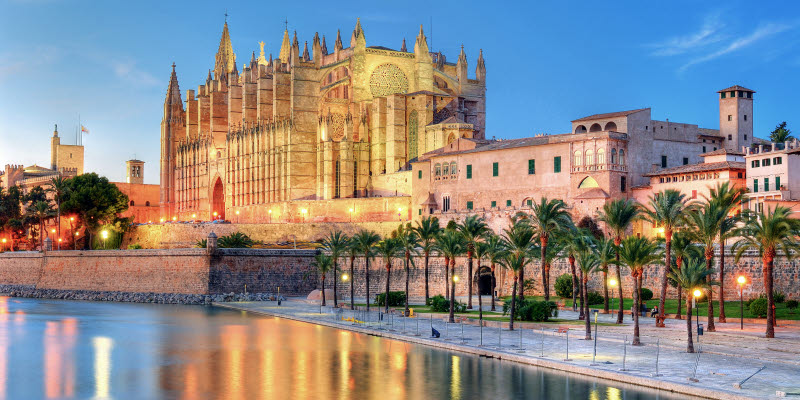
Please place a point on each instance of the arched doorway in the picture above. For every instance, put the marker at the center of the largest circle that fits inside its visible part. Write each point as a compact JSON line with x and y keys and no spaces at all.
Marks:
{"x":218,"y":199}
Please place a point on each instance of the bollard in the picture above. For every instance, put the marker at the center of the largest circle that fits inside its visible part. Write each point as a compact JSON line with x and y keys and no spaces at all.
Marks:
{"x":417,"y":334}
{"x":520,"y":349}
{"x":446,"y":330}
{"x":462,"y":332}
{"x":404,"y":323}
{"x":624,"y":352}
{"x":567,"y":359}
{"x":658,"y":350}
{"x":481,"y":345}
{"x":542,"y":343}
{"x":594,"y":351}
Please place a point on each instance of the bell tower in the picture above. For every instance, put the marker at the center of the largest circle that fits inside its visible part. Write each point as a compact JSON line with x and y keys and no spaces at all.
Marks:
{"x":736,"y":117}
{"x":135,"y":171}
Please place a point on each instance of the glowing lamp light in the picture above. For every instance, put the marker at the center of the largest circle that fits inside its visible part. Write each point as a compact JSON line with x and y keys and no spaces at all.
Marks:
{"x":105,"y":234}
{"x":237,"y":212}
{"x":697,"y":293}
{"x":53,"y":230}
{"x":351,"y":210}
{"x":344,"y":277}
{"x":304,"y":211}
{"x":149,"y":222}
{"x":162,"y":220}
{"x":612,"y":282}
{"x":4,"y":240}
{"x":76,"y":233}
{"x":72,"y":218}
{"x":215,"y":213}
{"x":174,"y":218}
{"x":399,"y":209}
{"x":741,"y":279}
{"x":269,"y":211}
{"x":455,"y":278}
{"x":194,"y":216}
{"x":59,"y":240}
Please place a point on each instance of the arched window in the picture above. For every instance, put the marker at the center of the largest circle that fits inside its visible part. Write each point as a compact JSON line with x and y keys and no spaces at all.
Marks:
{"x":438,"y":170}
{"x":589,"y":157}
{"x":588,"y":182}
{"x":445,"y":169}
{"x":601,"y":156}
{"x":453,"y":168}
{"x":577,"y":158}
{"x":621,"y":157}
{"x":610,"y":127}
{"x":595,"y":128}
{"x":580,"y":129}
{"x":132,"y":204}
{"x":613,"y":156}
{"x":147,"y":203}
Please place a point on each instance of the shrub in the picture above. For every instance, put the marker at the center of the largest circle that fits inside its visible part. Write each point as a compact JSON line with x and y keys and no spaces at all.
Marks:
{"x":134,"y":246}
{"x":439,"y":303}
{"x":646,"y":294}
{"x":236,"y":240}
{"x":758,"y":307}
{"x":202,"y":243}
{"x":395,"y":299}
{"x":594,"y":298}
{"x":564,"y":286}
{"x":791,"y":304}
{"x":778,"y":297}
{"x":532,"y":310}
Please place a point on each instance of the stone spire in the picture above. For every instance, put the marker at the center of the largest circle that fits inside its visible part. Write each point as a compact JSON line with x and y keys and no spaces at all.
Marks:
{"x":306,"y":57}
{"x":461,"y":66}
{"x":338,"y":45}
{"x":225,"y":59}
{"x":480,"y":69}
{"x":403,"y":47}
{"x":358,"y":39}
{"x":421,"y":45}
{"x":286,"y":48}
{"x":173,"y":90}
{"x":324,"y":46}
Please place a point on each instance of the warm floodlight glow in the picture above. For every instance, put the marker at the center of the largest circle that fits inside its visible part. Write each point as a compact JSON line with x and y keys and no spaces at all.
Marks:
{"x":76,"y":233}
{"x":162,"y":220}
{"x":53,"y":230}
{"x":455,"y":278}
{"x":105,"y":234}
{"x":612,"y":282}
{"x":194,"y":216}
{"x":4,"y":240}
{"x":697,"y":293}
{"x":269,"y":211}
{"x":215,"y":213}
{"x":237,"y":212}
{"x":72,"y":218}
{"x":174,"y":218}
{"x":304,"y":211}
{"x":351,"y":210}
{"x":741,"y":279}
{"x":344,"y":277}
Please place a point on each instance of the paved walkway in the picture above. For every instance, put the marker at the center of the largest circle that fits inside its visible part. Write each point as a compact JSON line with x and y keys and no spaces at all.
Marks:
{"x":728,"y":356}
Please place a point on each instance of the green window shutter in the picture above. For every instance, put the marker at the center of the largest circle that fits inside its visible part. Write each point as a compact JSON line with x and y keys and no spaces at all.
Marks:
{"x":495,"y":169}
{"x":766,"y":184}
{"x":469,"y":171}
{"x":530,"y":203}
{"x":420,"y":211}
{"x":508,"y":203}
{"x":557,"y":164}
{"x":469,"y":205}
{"x":419,"y":174}
{"x":755,"y":185}
{"x":494,"y":204}
{"x":531,"y":167}
{"x":777,"y":183}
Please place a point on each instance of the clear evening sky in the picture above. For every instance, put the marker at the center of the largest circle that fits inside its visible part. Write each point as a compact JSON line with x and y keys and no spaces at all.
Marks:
{"x":547,"y":62}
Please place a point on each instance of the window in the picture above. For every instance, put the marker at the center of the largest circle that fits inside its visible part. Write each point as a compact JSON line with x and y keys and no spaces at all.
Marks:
{"x":766,"y":162}
{"x":755,"y":163}
{"x":663,"y":161}
{"x":777,"y":160}
{"x":469,"y":205}
{"x":730,"y":117}
{"x":621,"y":157}
{"x":741,"y":94}
{"x":529,"y":203}
{"x":732,"y":93}
{"x":766,"y":184}
{"x":755,"y":185}
{"x":438,"y":169}
{"x":445,"y":169}
{"x":777,"y":183}
{"x":589,"y":157}
{"x":557,"y":164}
{"x":453,"y":169}
{"x":601,"y":157}
{"x":745,"y":117}
{"x":494,"y":204}
{"x":147,"y":203}
{"x":419,"y":212}
{"x":722,"y":95}
{"x":740,"y":175}
{"x":685,"y":160}
{"x":622,"y":184}
{"x":531,"y":167}
{"x":613,"y":156}
{"x":419,"y":174}
{"x":715,"y":148}
{"x":508,"y":203}
{"x":495,"y":169}
{"x":745,"y":137}
{"x":469,"y":171}
{"x":577,"y":158}
{"x":445,"y":203}
{"x":704,"y":149}
{"x":132,"y":204}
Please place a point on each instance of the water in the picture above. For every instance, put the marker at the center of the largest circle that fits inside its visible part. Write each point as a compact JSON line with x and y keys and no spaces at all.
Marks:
{"x":63,"y":349}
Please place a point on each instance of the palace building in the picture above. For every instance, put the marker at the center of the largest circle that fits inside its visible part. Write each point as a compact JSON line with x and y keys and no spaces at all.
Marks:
{"x":312,"y":124}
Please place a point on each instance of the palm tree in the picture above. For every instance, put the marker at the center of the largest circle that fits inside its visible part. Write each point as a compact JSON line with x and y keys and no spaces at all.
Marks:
{"x":335,"y":244}
{"x":365,"y":242}
{"x":472,"y":230}
{"x":636,"y":253}
{"x":58,"y":187}
{"x":495,"y":251}
{"x":427,"y":229}
{"x":692,"y":275}
{"x":409,"y":242}
{"x":515,"y":262}
{"x":548,"y":217}
{"x":588,"y":262}
{"x":41,"y":210}
{"x":683,"y":249}
{"x":618,"y":216}
{"x":481,"y":250}
{"x":388,"y":248}
{"x":518,"y":239}
{"x":606,"y":255}
{"x":727,"y":198}
{"x":353,"y":251}
{"x":768,"y":232}
{"x":574,"y":242}
{"x":665,"y":210}
{"x":704,"y":221}
{"x":323,"y":263}
{"x":451,"y":244}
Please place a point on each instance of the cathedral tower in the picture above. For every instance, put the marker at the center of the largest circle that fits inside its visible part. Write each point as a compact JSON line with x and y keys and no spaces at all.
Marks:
{"x":172,"y":124}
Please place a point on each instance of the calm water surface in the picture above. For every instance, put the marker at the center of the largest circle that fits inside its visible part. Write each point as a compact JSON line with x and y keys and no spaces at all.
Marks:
{"x":64,"y":349}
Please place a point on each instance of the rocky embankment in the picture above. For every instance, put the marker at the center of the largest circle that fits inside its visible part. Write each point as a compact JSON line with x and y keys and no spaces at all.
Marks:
{"x":127,"y":297}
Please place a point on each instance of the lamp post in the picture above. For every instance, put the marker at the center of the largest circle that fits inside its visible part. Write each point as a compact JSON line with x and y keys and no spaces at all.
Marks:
{"x":270,"y":215}
{"x":613,"y":283}
{"x":304,"y":212}
{"x":54,"y":236}
{"x":351,"y":214}
{"x":4,"y":243}
{"x":75,"y":241}
{"x":237,"y":216}
{"x":104,"y":234}
{"x":344,"y":279}
{"x":742,"y":280}
{"x":697,"y":293}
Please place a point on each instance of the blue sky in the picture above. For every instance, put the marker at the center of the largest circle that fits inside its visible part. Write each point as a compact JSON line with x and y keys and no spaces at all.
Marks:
{"x":547,"y":62}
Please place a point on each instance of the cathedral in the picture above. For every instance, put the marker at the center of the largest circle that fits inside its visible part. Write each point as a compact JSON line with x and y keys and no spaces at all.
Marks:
{"x":313,"y":125}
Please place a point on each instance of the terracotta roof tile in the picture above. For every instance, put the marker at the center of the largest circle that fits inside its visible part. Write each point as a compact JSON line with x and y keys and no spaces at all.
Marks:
{"x":610,"y":115}
{"x":720,"y":152}
{"x":685,"y":169}
{"x":736,"y":87}
{"x":595,"y":193}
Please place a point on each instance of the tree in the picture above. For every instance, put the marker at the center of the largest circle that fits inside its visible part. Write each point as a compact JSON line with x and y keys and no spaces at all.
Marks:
{"x":588,"y":262}
{"x":768,"y":232}
{"x":518,"y":239}
{"x":94,"y":200}
{"x":548,"y":217}
{"x":576,"y":241}
{"x":427,"y":229}
{"x":618,"y":216}
{"x":323,"y":263}
{"x":727,"y":198}
{"x":692,"y":275}
{"x":683,"y":249}
{"x":353,"y":251}
{"x":58,"y":187}
{"x":665,"y":210}
{"x":473,"y":229}
{"x":606,"y":255}
{"x":515,"y":262}
{"x":335,"y":244}
{"x":636,"y":253}
{"x":481,"y":250}
{"x":704,"y":221}
{"x":365,"y":242}
{"x":388,"y":248}
{"x":409,"y":242}
{"x":495,"y":251}
{"x":41,"y":211}
{"x":780,"y":134}
{"x":451,"y":244}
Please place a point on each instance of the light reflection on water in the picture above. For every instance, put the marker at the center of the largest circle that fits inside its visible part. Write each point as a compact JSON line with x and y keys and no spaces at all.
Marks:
{"x":61,"y":349}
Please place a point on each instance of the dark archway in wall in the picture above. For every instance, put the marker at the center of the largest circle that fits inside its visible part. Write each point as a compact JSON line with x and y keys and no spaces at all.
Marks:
{"x":611,"y":126}
{"x":595,"y":128}
{"x":218,"y":199}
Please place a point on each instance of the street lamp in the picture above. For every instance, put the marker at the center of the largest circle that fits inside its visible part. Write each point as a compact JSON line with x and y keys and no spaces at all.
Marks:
{"x":304,"y":212}
{"x":351,"y":214}
{"x":174,"y":219}
{"x":455,"y":278}
{"x":237,"y":216}
{"x":399,"y":213}
{"x":742,"y":280}
{"x":4,"y":243}
{"x":162,"y":220}
{"x":105,"y":236}
{"x":697,"y":293}
{"x":270,"y":215}
{"x":215,"y":215}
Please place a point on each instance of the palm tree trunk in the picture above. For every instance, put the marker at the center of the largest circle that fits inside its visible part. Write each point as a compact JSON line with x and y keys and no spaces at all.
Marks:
{"x":452,"y":290}
{"x":545,"y":286}
{"x":408,"y":255}
{"x":513,"y":304}
{"x":619,"y":285}
{"x":585,"y":305}
{"x":664,"y":278}
{"x":323,"y":290}
{"x":469,"y":291}
{"x":722,"y":318}
{"x":447,"y":277}
{"x":388,"y":275}
{"x":493,"y":286}
{"x":689,"y":342}
{"x":678,"y":263}
{"x":768,"y":282}
{"x":605,"y":289}
{"x":547,"y":278}
{"x":427,"y":293}
{"x":335,"y":297}
{"x":352,"y":278}
{"x":366,"y":274}
{"x":710,"y":327}
{"x":575,"y":283}
{"x":636,"y":310}
{"x":521,"y":280}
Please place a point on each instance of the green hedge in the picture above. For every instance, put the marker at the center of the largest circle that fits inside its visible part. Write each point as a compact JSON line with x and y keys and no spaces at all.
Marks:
{"x":646,"y":294}
{"x":532,"y":310}
{"x":396,"y":299}
{"x":594,"y":298}
{"x":439,"y":303}
{"x":758,"y":307}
